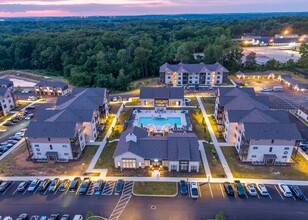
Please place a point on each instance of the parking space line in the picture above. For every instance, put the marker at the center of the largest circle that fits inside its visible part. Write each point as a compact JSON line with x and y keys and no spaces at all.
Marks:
{"x":8,"y":188}
{"x":293,"y":197}
{"x":269,"y":195}
{"x":77,"y":191}
{"x":278,"y":192}
{"x":211,"y":190}
{"x":46,"y":191}
{"x":26,"y":190}
{"x":57,"y":190}
{"x":15,"y":191}
{"x":246,"y":195}
{"x":36,"y":190}
{"x":258,"y":195}
{"x":222,"y":192}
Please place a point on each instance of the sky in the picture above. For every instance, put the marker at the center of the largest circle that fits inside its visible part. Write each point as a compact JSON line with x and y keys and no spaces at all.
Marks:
{"x":42,"y":8}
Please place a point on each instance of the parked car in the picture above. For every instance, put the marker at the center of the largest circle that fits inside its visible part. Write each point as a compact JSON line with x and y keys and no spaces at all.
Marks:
{"x":240,"y":189}
{"x":15,"y":138}
{"x":29,"y":116}
{"x":12,"y":142}
{"x":285,"y":190}
{"x":183,"y":187}
{"x":54,"y":217}
{"x":9,"y":145}
{"x":119,"y":187}
{"x":8,"y":123}
{"x":98,"y":187}
{"x":20,"y":134}
{"x":262,"y":189}
{"x":251,"y":189}
{"x":5,"y":185}
{"x":84,"y":185}
{"x":23,"y":216}
{"x":54,"y":185}
{"x":23,"y":186}
{"x":266,"y":90}
{"x":64,"y":185}
{"x":32,"y":107}
{"x":65,"y":217}
{"x":303,"y":145}
{"x":297,"y":192}
{"x":228,"y":188}
{"x":44,"y":184}
{"x":75,"y":184}
{"x":44,"y":217}
{"x":34,"y":184}
{"x":78,"y":217}
{"x":3,"y":149}
{"x":194,"y":190}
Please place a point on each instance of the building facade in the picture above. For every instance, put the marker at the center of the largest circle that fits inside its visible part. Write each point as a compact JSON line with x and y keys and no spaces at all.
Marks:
{"x":7,"y":100}
{"x":54,"y":88}
{"x":193,"y":74}
{"x":302,"y":111}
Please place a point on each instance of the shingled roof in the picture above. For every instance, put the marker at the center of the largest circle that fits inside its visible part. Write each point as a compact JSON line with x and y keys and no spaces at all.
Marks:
{"x":51,"y":129}
{"x":176,"y":146}
{"x":161,"y":93}
{"x":52,"y":84}
{"x":192,"y":68}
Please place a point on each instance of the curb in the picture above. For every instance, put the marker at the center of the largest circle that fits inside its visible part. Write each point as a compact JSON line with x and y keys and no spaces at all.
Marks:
{"x":167,"y":196}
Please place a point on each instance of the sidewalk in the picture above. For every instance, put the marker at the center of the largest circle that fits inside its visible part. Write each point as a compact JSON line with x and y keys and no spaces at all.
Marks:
{"x":204,"y":159}
{"x":215,"y":142}
{"x":103,"y":143}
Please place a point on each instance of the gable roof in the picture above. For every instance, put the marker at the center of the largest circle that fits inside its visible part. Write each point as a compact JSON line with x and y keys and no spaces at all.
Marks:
{"x":51,"y":129}
{"x":6,"y":83}
{"x":52,"y":83}
{"x":176,"y":146}
{"x":266,"y":73}
{"x":271,"y":131}
{"x":194,"y":68}
{"x":160,"y":92}
{"x":235,"y":91}
{"x":3,"y":91}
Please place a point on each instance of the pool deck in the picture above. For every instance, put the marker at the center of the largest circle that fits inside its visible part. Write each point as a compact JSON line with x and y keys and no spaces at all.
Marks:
{"x":159,"y":114}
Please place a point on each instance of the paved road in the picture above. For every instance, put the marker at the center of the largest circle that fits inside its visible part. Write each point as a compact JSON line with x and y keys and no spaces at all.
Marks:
{"x":213,"y":199}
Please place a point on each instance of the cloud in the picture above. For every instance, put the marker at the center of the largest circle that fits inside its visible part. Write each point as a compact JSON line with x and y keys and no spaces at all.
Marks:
{"x":12,"y":8}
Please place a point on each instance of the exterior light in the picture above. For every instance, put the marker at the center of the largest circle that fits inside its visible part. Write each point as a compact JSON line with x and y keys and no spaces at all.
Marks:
{"x":155,"y":160}
{"x":286,"y":32}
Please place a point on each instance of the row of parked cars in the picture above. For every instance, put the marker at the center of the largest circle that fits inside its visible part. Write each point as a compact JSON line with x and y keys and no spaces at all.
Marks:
{"x":11,"y":141}
{"x":83,"y":186}
{"x":252,"y":189}
{"x":25,"y":216}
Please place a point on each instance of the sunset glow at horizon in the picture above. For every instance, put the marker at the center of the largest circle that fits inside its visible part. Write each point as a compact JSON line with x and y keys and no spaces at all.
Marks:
{"x":44,"y":8}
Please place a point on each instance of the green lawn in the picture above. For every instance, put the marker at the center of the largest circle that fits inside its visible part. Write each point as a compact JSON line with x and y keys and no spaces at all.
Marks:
{"x":193,"y":102}
{"x":155,"y":188}
{"x":218,"y":133}
{"x":209,"y":104}
{"x":119,"y":127}
{"x":134,"y":102}
{"x":296,"y":171}
{"x":198,"y":124}
{"x":114,"y":107}
{"x":216,"y":167}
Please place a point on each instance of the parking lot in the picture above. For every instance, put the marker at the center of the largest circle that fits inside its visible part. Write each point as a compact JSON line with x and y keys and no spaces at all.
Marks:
{"x":109,"y":205}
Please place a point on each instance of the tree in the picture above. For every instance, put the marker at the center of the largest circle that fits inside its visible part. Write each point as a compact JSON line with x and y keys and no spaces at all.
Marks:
{"x":303,"y":51}
{"x":250,"y":62}
{"x":220,"y":216}
{"x":185,"y":52}
{"x":142,"y":56}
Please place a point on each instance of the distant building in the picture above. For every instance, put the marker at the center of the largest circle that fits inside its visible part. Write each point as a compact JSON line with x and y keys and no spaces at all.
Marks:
{"x":7,"y":100}
{"x":193,"y":74}
{"x":49,"y":87}
{"x":157,"y":96}
{"x":4,"y":83}
{"x":177,"y":152}
{"x":302,"y":111}
{"x":256,"y":75}
{"x":293,"y":84}
{"x":63,"y":132}
{"x":198,"y":56}
{"x":286,"y":36}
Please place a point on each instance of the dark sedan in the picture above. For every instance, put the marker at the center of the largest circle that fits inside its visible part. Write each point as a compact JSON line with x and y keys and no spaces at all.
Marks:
{"x":119,"y":187}
{"x":228,"y":188}
{"x":183,"y":187}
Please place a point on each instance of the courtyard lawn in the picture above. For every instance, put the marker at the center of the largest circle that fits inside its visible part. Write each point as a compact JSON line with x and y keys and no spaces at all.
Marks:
{"x":119,"y":127}
{"x":114,"y":107}
{"x":133,"y":102}
{"x":216,"y":167}
{"x":209,"y":104}
{"x":155,"y":188}
{"x":102,"y":133}
{"x":193,"y":102}
{"x":296,"y":171}
{"x":198,"y":124}
{"x":218,"y":133}
{"x":16,"y":164}
{"x":105,"y":161}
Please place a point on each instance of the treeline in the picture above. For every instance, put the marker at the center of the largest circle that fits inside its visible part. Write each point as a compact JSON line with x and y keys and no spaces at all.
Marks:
{"x":112,"y":54}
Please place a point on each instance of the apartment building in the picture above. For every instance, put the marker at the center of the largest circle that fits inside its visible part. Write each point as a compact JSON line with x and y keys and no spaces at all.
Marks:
{"x":7,"y":100}
{"x":78,"y":116}
{"x":51,"y":87}
{"x":193,"y":74}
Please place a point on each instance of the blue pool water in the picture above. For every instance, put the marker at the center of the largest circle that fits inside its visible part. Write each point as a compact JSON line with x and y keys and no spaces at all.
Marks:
{"x":159,"y":122}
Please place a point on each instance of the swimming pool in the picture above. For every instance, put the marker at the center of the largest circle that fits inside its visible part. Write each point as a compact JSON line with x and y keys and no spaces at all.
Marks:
{"x":159,"y":122}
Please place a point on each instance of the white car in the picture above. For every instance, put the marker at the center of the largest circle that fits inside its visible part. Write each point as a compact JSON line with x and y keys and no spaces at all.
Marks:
{"x":34,"y":184}
{"x":194,"y":190}
{"x":20,"y":134}
{"x":285,"y":190}
{"x":251,"y":189}
{"x":266,"y":90}
{"x":262,"y":189}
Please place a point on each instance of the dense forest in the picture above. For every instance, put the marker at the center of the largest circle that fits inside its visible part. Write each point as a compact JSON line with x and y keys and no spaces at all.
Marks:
{"x":112,"y":53}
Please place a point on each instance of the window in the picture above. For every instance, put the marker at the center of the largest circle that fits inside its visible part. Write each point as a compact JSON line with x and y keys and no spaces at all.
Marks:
{"x":139,"y":164}
{"x":255,"y":148}
{"x":36,"y":145}
{"x":119,"y":164}
{"x":38,"y":153}
{"x":127,"y":163}
{"x":50,"y":147}
{"x":253,"y":156}
{"x":169,"y":77}
{"x":286,"y":148}
{"x":284,"y":156}
{"x":272,"y":141}
{"x":270,"y":149}
{"x":218,"y":77}
{"x":190,"y":82}
{"x":217,"y":81}
{"x":37,"y":149}
{"x":66,"y":154}
{"x":208,"y":78}
{"x":193,"y":168}
{"x":180,"y":78}
{"x":173,"y":167}
{"x":48,"y":139}
{"x":64,"y":146}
